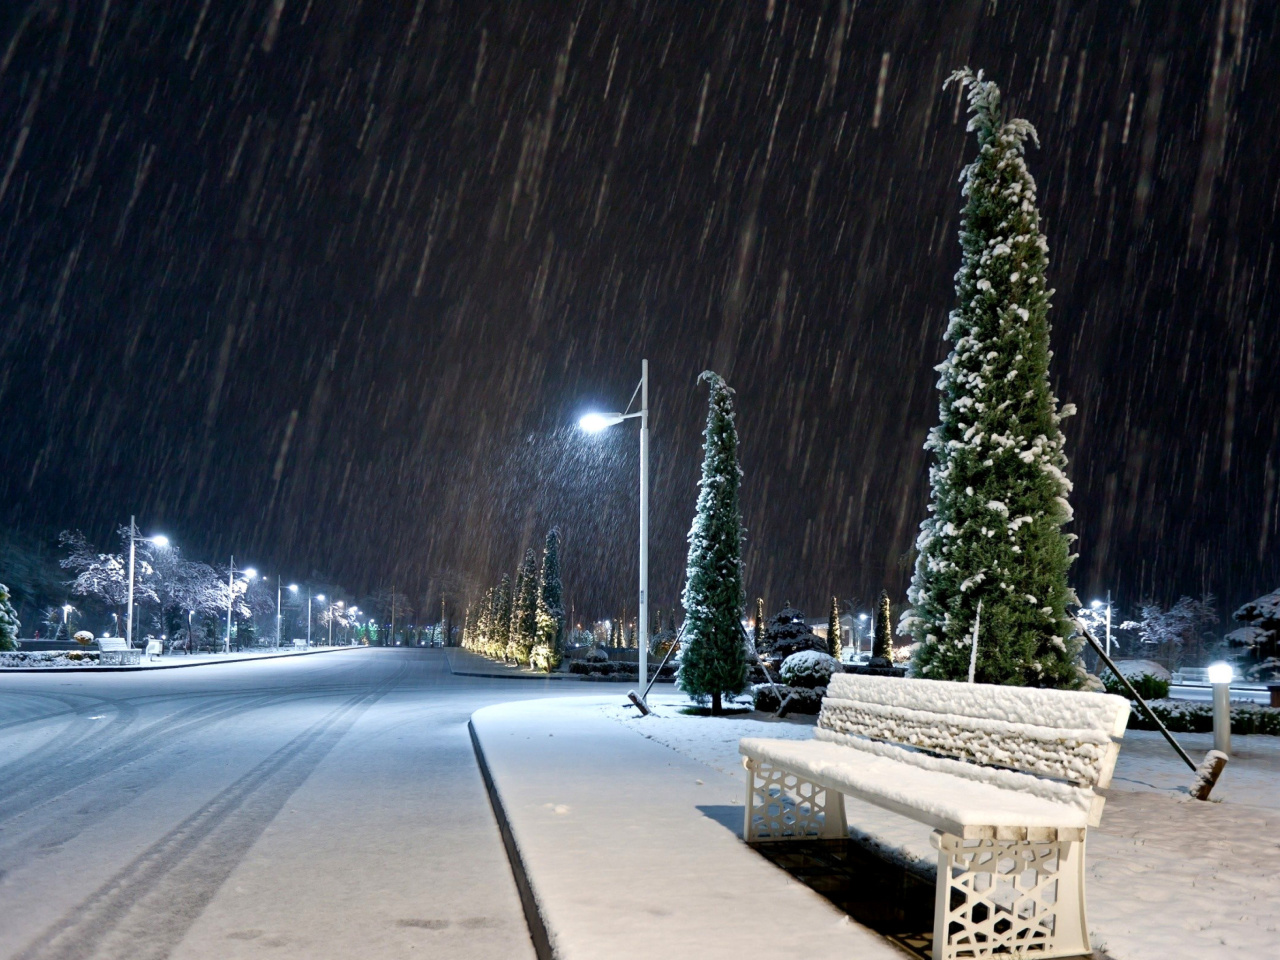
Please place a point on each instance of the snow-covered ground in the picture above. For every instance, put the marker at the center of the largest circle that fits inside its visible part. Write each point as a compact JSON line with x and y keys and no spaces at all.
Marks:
{"x":41,"y":659}
{"x":1169,"y":878}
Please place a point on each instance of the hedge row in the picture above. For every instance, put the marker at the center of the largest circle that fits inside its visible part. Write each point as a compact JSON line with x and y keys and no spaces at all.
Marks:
{"x":1185,"y":716}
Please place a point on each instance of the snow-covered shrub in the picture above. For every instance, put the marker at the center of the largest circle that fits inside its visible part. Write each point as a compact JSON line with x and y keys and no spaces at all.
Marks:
{"x":83,"y":637}
{"x":809,"y":668}
{"x":785,"y":633}
{"x":1268,"y":669}
{"x":1196,"y":716}
{"x":766,"y":698}
{"x":597,"y":655}
{"x":1149,"y":678}
{"x":544,"y":657}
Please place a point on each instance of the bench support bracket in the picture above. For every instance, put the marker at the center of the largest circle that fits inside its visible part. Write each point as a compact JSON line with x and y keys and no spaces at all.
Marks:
{"x":1009,"y":897}
{"x":783,"y":806}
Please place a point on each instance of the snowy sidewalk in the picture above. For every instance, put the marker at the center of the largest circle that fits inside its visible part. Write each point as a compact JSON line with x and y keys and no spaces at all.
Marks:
{"x":630,"y":849}
{"x":1169,"y":878}
{"x":173,"y":661}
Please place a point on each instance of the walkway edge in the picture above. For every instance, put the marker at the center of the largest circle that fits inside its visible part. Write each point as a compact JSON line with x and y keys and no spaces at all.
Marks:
{"x":175,"y":666}
{"x":537,"y":927}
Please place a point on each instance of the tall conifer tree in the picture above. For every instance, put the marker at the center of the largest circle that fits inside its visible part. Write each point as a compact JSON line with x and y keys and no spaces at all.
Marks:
{"x":833,"y":629}
{"x":714,"y":660}
{"x":524,"y":615}
{"x":999,"y":490}
{"x":501,"y":629}
{"x":549,"y":645}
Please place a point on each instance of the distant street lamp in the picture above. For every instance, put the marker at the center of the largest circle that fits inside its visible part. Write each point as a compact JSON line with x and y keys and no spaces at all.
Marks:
{"x":159,"y":541}
{"x":293,"y":587}
{"x":594,"y":423}
{"x":249,"y":574}
{"x":1097,"y":605}
{"x":309,"y":615}
{"x":66,"y":611}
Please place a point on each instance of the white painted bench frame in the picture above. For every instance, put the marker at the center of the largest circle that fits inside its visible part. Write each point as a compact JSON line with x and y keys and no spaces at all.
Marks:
{"x":115,"y":650}
{"x":948,"y":734}
{"x":299,"y":644}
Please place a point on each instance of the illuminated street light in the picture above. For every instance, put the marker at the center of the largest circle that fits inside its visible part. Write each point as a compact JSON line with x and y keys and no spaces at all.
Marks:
{"x":161,"y":542}
{"x":594,"y":423}
{"x":249,"y":573}
{"x":1220,"y":677}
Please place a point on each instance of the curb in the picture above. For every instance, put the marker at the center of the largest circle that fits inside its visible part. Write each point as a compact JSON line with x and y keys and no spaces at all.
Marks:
{"x":537,"y":927}
{"x":171,"y":666}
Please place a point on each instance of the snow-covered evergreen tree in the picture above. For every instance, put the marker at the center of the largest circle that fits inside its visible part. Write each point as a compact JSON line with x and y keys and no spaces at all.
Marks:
{"x":524,"y":614}
{"x":549,"y":645}
{"x":833,"y":629}
{"x":785,"y":633}
{"x":714,"y":659}
{"x":882,"y":643}
{"x":999,"y":491}
{"x":9,"y":625}
{"x":500,"y":632}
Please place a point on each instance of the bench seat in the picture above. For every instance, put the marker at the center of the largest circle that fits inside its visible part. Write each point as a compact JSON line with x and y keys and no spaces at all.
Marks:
{"x":955,"y":804}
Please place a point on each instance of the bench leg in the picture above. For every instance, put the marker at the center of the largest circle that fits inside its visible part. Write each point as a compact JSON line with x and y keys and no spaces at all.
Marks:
{"x":1013,"y":897}
{"x":783,"y":806}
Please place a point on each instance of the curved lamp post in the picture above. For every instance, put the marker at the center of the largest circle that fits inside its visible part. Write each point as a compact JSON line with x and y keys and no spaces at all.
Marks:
{"x":594,"y":423}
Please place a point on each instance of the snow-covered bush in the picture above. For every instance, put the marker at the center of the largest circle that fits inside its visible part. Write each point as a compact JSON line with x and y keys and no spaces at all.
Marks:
{"x":1260,"y":635}
{"x":1149,"y":678}
{"x":597,"y":655}
{"x":809,"y":668}
{"x":1196,"y":716}
{"x":807,"y":700}
{"x":785,"y":633}
{"x":544,"y":657}
{"x":83,"y":637}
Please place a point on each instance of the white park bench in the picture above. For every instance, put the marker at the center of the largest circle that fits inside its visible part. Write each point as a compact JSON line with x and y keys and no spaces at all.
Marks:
{"x":1006,"y":776}
{"x":115,"y":650}
{"x":299,"y":644}
{"x":154,"y":649}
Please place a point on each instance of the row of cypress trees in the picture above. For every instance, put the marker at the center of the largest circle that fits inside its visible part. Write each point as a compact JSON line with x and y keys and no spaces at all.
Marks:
{"x":524,"y":622}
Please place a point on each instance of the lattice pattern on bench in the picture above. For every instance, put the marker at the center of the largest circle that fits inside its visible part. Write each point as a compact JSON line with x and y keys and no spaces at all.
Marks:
{"x":1008,"y":896}
{"x":785,"y":806}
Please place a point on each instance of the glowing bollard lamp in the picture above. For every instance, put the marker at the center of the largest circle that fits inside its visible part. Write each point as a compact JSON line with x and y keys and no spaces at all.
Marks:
{"x":1220,"y":678}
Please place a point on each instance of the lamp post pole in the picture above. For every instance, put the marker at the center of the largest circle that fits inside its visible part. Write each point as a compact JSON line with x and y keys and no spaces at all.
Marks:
{"x":231,"y":602}
{"x":644,"y":522}
{"x":308,"y":618}
{"x":595,"y":422}
{"x":1108,"y":623}
{"x":133,"y":543}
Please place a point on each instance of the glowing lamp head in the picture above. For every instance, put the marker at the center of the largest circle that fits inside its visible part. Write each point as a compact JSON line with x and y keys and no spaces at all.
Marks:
{"x":160,"y":541}
{"x":320,"y":597}
{"x":1220,"y":672}
{"x":250,"y":573}
{"x":1097,"y":604}
{"x":293,"y":588}
{"x":595,"y":422}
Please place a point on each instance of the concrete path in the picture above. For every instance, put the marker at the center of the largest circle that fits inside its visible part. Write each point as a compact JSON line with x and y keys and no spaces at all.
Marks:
{"x":305,"y":807}
{"x":632,"y":850}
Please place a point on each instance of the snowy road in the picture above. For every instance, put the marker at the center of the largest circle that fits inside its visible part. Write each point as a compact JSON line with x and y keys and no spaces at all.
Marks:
{"x":313,"y":807}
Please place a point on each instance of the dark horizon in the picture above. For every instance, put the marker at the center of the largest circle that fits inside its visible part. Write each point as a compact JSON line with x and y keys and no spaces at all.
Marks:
{"x":330,"y":291}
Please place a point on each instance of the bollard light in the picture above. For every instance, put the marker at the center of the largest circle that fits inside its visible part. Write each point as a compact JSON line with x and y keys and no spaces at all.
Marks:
{"x":1220,"y":678}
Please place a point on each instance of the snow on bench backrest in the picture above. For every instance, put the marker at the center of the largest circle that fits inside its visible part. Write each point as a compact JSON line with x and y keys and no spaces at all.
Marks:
{"x":112,"y":643}
{"x":1063,"y":734}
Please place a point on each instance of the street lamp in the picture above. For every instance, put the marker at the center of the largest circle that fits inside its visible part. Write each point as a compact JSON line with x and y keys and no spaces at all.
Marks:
{"x":1220,"y":677}
{"x":320,"y":597}
{"x":159,"y":541}
{"x":1097,"y":605}
{"x":66,"y":611}
{"x":249,"y":574}
{"x":293,"y":587}
{"x":594,"y":423}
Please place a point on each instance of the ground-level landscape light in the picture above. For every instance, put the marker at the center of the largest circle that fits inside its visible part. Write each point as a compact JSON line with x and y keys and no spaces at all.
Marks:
{"x":1220,"y":677}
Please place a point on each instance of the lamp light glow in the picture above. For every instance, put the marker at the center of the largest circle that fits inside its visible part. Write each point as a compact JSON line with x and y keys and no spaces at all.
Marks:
{"x":249,"y":573}
{"x":160,"y":540}
{"x":293,"y":587}
{"x":1097,"y":604}
{"x":595,"y":422}
{"x":1220,"y":673}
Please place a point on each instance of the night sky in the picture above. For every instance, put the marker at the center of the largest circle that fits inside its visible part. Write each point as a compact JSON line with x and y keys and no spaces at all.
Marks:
{"x":327,"y":284}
